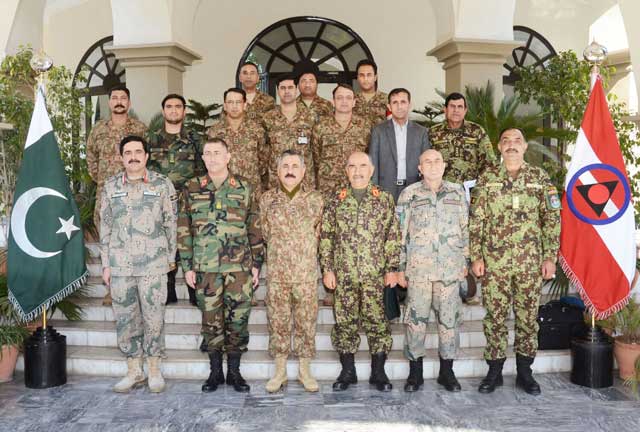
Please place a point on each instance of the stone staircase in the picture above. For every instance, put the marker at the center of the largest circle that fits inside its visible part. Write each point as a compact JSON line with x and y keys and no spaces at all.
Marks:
{"x":92,"y":347}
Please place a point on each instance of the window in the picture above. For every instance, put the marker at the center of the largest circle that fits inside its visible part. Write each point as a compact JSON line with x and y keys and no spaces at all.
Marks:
{"x":535,"y":50}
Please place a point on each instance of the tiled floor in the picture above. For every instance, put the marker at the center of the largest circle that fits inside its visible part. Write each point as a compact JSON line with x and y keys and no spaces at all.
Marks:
{"x":88,"y":404}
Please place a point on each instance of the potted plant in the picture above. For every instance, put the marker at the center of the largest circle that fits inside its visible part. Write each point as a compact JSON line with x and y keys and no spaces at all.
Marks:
{"x":627,"y":340}
{"x":12,"y":334}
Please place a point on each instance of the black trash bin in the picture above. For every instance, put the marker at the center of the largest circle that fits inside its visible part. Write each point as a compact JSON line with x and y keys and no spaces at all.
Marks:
{"x":592,"y":359}
{"x":45,"y":359}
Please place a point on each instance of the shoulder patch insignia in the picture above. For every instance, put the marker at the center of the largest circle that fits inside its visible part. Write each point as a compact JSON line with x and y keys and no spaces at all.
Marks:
{"x":343,"y":194}
{"x":203,"y":182}
{"x":233,"y":182}
{"x":375,"y":191}
{"x":553,"y":199}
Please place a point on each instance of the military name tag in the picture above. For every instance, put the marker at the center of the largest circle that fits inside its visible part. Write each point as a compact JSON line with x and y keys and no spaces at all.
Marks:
{"x":200,"y":196}
{"x":494,"y":184}
{"x":516,"y":202}
{"x":119,"y":194}
{"x":452,"y":201}
{"x":151,"y":193}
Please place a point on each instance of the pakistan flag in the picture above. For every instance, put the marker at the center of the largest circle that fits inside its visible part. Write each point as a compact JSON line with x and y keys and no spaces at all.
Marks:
{"x":46,"y":249}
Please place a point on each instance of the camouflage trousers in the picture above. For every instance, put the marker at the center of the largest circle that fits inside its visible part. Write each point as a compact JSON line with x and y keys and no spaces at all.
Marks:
{"x":443,"y":297}
{"x":302,"y":299}
{"x":96,"y":210}
{"x":225,"y":302}
{"x":138,"y":306}
{"x":360,"y":304}
{"x":502,"y":290}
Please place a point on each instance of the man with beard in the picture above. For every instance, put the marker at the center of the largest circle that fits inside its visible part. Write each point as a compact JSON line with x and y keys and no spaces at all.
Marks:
{"x":103,"y":154}
{"x":175,"y":152}
{"x":290,"y":217}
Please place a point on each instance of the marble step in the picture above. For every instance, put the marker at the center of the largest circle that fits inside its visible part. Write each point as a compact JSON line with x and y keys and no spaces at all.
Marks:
{"x":187,"y":336}
{"x":183,"y":312}
{"x":258,"y":365}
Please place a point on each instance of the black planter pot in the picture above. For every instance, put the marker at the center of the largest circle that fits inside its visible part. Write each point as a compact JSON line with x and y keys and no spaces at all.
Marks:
{"x":45,"y":359}
{"x":592,"y":359}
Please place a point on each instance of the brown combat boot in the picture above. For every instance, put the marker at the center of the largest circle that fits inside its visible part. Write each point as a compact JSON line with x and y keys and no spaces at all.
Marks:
{"x":304,"y":376}
{"x":134,"y":377}
{"x":279,"y":377}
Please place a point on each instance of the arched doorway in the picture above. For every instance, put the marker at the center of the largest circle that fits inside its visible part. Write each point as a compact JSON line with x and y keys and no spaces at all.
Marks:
{"x":331,"y":48}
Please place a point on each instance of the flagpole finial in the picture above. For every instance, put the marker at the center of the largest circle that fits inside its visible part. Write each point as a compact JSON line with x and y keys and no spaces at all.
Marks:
{"x":595,"y":54}
{"x":41,"y":63}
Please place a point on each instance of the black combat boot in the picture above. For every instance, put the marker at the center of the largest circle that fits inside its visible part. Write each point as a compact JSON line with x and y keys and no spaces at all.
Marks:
{"x":216,"y":376}
{"x":171,"y":287}
{"x":348,"y":374}
{"x":446,"y":377}
{"x":378,"y":376}
{"x":233,"y":373}
{"x":192,"y":296}
{"x":494,"y":376}
{"x":416,"y":378}
{"x":524,"y":379}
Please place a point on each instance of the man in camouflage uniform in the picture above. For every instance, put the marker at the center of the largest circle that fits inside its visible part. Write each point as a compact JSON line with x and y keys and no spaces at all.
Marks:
{"x":463,"y":144}
{"x":309,"y":99}
{"x":175,"y":152}
{"x":290,"y":217}
{"x":335,"y":137}
{"x":370,"y":103}
{"x":434,"y":222}
{"x":289,"y":127}
{"x":221,"y":253}
{"x":359,"y":255}
{"x":514,"y":236}
{"x":138,"y":247}
{"x":258,"y":103}
{"x":245,"y":138}
{"x":103,"y":154}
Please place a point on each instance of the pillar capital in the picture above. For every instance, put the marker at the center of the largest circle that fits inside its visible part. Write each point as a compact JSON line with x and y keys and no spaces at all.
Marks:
{"x":168,"y":54}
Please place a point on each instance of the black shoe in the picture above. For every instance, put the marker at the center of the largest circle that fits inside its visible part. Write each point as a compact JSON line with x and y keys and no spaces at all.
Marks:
{"x":171,"y":287}
{"x":192,"y":297}
{"x":203,"y":346}
{"x":216,"y":376}
{"x":233,"y":373}
{"x":416,"y":378}
{"x":494,"y":376}
{"x":446,"y":377}
{"x":378,"y":376}
{"x":348,"y":374}
{"x":524,"y":379}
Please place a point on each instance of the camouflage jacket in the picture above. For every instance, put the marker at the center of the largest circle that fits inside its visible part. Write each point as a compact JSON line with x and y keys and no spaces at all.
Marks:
{"x":219,"y":228}
{"x":435,"y":234}
{"x":103,"y":147}
{"x":374,"y":109}
{"x":179,"y":156}
{"x":262,"y":103}
{"x":514,"y":223}
{"x":466,"y":150}
{"x":295,"y":135}
{"x":138,"y":225}
{"x":319,"y":107}
{"x":247,"y":146}
{"x":332,"y":146}
{"x":291,"y":228}
{"x":360,"y":241}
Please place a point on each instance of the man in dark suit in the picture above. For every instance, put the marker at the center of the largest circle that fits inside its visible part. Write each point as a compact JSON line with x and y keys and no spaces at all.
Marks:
{"x":396,"y":145}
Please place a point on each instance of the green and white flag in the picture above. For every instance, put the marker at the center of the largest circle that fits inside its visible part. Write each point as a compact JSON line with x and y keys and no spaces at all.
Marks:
{"x":46,"y":248}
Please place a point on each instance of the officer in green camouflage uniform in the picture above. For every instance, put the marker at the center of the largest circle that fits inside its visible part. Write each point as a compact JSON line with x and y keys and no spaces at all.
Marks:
{"x":370,"y":103}
{"x":103,"y":154}
{"x":221,"y":252}
{"x":289,"y":127}
{"x":464,"y":145}
{"x":359,"y":255}
{"x":290,"y":218}
{"x":138,"y":247}
{"x":175,"y":152}
{"x":245,"y":138}
{"x":258,"y":103}
{"x":335,"y":137}
{"x":434,"y":222}
{"x":514,"y":236}
{"x":309,"y":99}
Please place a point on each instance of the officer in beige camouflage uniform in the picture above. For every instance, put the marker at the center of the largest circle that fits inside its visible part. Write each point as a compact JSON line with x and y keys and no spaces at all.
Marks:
{"x":245,"y":138}
{"x":359,"y":256}
{"x":514,"y":240}
{"x":435,"y":246}
{"x":309,"y":99}
{"x":103,"y":154}
{"x":258,"y":103}
{"x":138,"y":247}
{"x":370,"y":103}
{"x":290,"y":217}
{"x":175,"y":152}
{"x":289,"y":127}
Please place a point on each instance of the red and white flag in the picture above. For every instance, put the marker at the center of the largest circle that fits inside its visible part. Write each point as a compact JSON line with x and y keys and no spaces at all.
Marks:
{"x":597,"y":241}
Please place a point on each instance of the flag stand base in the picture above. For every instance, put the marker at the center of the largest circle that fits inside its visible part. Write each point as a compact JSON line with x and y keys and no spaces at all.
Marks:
{"x":45,"y":359}
{"x":592,"y":359}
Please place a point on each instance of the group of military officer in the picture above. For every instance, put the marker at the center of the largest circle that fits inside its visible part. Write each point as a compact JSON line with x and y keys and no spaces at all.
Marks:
{"x":290,"y":184}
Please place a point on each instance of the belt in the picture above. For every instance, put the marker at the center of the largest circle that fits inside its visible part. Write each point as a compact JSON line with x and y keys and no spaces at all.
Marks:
{"x":401,"y":182}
